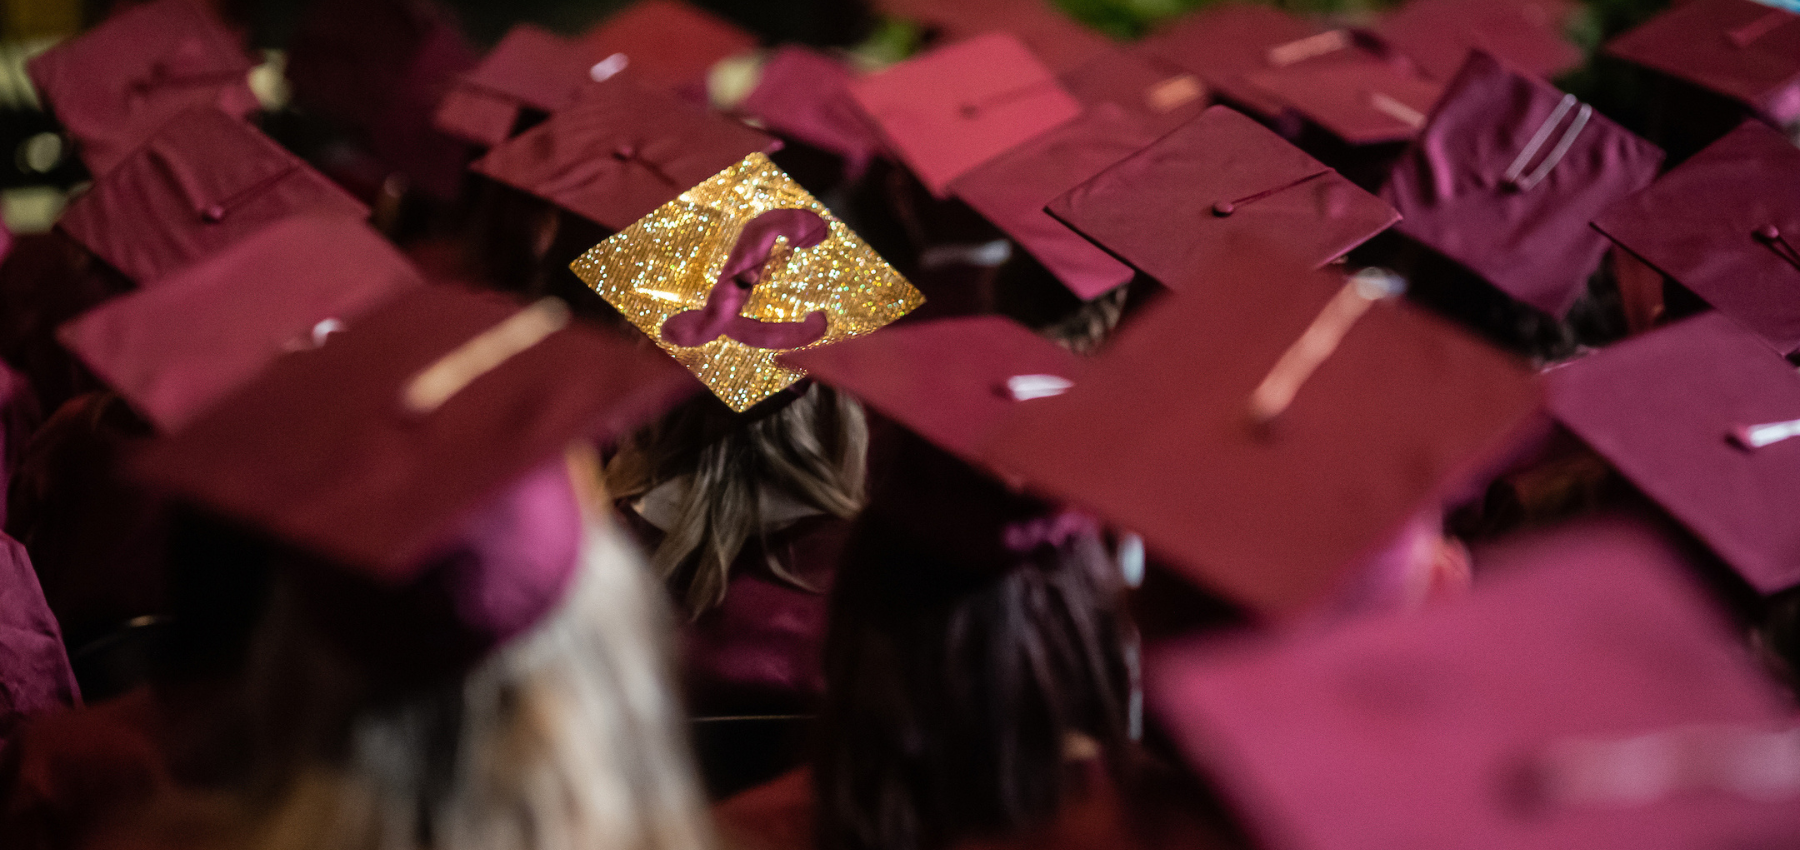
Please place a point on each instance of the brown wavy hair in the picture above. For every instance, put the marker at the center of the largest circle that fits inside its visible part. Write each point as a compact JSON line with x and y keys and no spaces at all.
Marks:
{"x":813,"y":450}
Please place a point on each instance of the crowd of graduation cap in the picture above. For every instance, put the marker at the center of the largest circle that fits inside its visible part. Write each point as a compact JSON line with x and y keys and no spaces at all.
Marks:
{"x":1434,"y":422}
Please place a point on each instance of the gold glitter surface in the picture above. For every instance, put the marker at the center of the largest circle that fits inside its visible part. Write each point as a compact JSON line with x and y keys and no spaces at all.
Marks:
{"x":668,"y":261}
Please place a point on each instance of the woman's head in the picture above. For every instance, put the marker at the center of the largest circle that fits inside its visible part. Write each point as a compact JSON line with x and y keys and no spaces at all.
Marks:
{"x":954,"y":690}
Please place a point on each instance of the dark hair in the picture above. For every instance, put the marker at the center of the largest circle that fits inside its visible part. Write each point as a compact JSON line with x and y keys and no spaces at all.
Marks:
{"x":951,"y":693}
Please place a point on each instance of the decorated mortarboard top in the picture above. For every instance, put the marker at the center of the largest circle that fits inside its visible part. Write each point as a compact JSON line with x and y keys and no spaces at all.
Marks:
{"x":203,"y":181}
{"x":1559,"y":706}
{"x":952,"y":381}
{"x":740,"y":267}
{"x":620,"y":151}
{"x":1012,"y":189}
{"x":209,"y":328}
{"x":1741,"y":49}
{"x":1726,"y":224}
{"x":368,"y":448}
{"x":804,"y":95}
{"x":1438,"y":35}
{"x":1169,"y":208}
{"x":666,"y":43}
{"x":1271,"y":425}
{"x":956,"y":107}
{"x":1362,"y":95}
{"x":1700,"y":416}
{"x":1223,"y":42}
{"x":1505,"y":176}
{"x":1154,"y":90}
{"x":115,"y":85}
{"x":531,"y":68}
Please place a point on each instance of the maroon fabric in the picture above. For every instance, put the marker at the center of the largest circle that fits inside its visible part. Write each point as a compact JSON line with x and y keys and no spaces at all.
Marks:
{"x":115,"y":85}
{"x":1659,"y":407}
{"x":321,"y":452}
{"x":1012,"y":189}
{"x":1438,"y":35}
{"x":530,"y":68}
{"x":1160,"y":209}
{"x":667,"y":43}
{"x":1223,"y":42}
{"x":1742,"y":49}
{"x":35,"y":676}
{"x":404,"y":134}
{"x":202,"y":332}
{"x":20,"y":415}
{"x":722,"y":314}
{"x":1703,"y":224}
{"x":1153,"y":90}
{"x":804,"y":95}
{"x":204,"y":181}
{"x":944,"y":380}
{"x":80,"y":772}
{"x":1453,"y":195}
{"x":1049,"y":33}
{"x":1404,"y":408}
{"x":1361,"y":96}
{"x":948,"y":110}
{"x":621,"y":151}
{"x":45,"y":281}
{"x":1315,"y":738}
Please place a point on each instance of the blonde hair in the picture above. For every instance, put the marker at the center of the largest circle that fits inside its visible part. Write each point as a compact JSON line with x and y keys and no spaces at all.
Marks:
{"x":568,"y":738}
{"x":813,"y":451}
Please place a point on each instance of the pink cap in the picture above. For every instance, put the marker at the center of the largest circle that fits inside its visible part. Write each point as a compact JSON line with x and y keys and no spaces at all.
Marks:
{"x":1744,"y":50}
{"x":951,"y":381}
{"x":667,"y":43}
{"x":1360,"y":96}
{"x":1048,"y":32}
{"x":620,"y":151}
{"x":113,"y":86}
{"x":1263,"y":467}
{"x":1170,"y":208}
{"x":1714,"y":225}
{"x":804,"y":95}
{"x":1012,"y":189}
{"x":1505,"y":176}
{"x":1463,"y":725}
{"x":1224,"y":41}
{"x":954,"y":108}
{"x":1438,"y":35}
{"x":1153,"y":90}
{"x":201,"y":333}
{"x":1696,"y":415}
{"x":202,"y":182}
{"x":531,"y":68}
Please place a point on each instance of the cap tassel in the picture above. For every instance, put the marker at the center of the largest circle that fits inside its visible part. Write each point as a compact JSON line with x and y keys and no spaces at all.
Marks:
{"x":1772,"y":236}
{"x":1754,"y":437}
{"x":1515,"y":178}
{"x":215,"y":212}
{"x":1226,"y":208}
{"x":1302,"y":49}
{"x":1387,"y":105}
{"x":973,"y":110}
{"x":1745,"y":35}
{"x":1755,"y":763}
{"x":1277,"y":391}
{"x":437,"y":383}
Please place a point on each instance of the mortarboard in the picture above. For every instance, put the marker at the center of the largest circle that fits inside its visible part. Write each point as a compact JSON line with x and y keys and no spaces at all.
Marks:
{"x":1666,"y":409}
{"x":1169,"y":208}
{"x":620,"y":151}
{"x":666,"y":43}
{"x":1462,"y":726}
{"x":1051,"y":35}
{"x":745,"y":265}
{"x":953,"y":382}
{"x":1145,"y":86}
{"x":531,"y":68}
{"x":349,"y":58}
{"x":804,"y":95}
{"x":1223,"y":42}
{"x":1012,"y":189}
{"x":204,"y":181}
{"x":956,"y":107}
{"x":1747,"y":51}
{"x":1725,"y":224}
{"x":113,"y":86}
{"x":1505,"y":175}
{"x":1361,"y":96}
{"x":404,"y":134}
{"x":204,"y":330}
{"x":1438,"y":35}
{"x":1272,"y":425}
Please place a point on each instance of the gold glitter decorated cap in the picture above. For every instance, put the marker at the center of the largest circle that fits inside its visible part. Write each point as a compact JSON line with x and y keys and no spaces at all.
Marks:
{"x":740,"y":268}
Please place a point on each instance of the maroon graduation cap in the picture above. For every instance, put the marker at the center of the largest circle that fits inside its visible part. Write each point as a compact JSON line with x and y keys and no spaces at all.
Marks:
{"x":1587,"y":695}
{"x":204,"y":330}
{"x":1700,"y":416}
{"x":1169,"y":208}
{"x":804,"y":95}
{"x":1744,"y":50}
{"x":1506,"y":174}
{"x":1153,"y":90}
{"x":1438,"y":35}
{"x":203,"y":181}
{"x":956,"y":107}
{"x":1720,"y":225}
{"x":1361,"y":95}
{"x":666,"y":43}
{"x":1272,"y":425}
{"x":531,"y":68}
{"x":1225,"y":41}
{"x":620,"y":151}
{"x":1050,"y":34}
{"x":115,"y":85}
